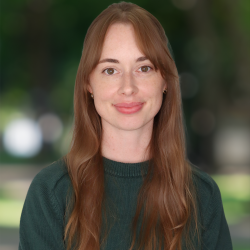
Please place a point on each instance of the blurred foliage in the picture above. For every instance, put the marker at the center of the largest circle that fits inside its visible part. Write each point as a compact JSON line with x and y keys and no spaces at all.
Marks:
{"x":235,"y":192}
{"x":10,"y":212}
{"x":41,"y":44}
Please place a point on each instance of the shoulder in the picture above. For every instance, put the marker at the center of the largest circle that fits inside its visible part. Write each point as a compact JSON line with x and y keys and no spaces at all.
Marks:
{"x":204,"y":183}
{"x":207,"y":192}
{"x":53,"y":174}
{"x":214,"y":229}
{"x":43,"y":215}
{"x":52,"y":182}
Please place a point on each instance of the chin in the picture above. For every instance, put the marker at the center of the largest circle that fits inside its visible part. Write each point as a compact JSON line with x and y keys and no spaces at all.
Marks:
{"x":130,"y":126}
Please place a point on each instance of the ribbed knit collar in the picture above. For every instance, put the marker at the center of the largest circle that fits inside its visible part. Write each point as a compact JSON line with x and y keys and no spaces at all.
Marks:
{"x":122,"y":169}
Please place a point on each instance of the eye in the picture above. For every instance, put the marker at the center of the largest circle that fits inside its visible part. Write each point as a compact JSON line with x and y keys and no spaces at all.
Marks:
{"x":109,"y":71}
{"x":145,"y":69}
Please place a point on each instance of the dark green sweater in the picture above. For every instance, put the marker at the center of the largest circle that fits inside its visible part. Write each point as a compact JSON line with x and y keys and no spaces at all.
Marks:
{"x":42,"y":221}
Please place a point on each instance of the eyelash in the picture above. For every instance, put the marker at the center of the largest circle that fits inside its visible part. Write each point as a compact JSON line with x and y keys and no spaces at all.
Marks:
{"x":146,"y":66}
{"x":150,"y":68}
{"x":107,"y":69}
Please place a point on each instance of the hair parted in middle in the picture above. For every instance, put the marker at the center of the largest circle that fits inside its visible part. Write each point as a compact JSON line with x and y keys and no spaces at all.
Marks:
{"x":167,"y":197}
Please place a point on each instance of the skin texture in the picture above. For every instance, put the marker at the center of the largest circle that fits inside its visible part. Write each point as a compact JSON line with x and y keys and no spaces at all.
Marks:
{"x":125,"y":136}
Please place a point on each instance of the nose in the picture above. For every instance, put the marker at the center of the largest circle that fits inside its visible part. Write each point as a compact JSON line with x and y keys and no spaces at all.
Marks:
{"x":128,"y":85}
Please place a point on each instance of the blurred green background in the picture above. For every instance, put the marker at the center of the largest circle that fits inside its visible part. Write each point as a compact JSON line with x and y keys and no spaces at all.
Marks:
{"x":41,"y":45}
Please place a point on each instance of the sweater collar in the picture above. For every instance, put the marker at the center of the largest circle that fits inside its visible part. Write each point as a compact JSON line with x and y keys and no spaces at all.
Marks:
{"x":122,"y":169}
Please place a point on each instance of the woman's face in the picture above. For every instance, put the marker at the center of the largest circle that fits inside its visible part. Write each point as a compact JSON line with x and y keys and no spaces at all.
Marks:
{"x":127,"y":90}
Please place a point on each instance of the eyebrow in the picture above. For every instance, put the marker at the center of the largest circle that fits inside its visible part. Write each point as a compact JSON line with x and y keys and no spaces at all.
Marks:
{"x":140,"y":59}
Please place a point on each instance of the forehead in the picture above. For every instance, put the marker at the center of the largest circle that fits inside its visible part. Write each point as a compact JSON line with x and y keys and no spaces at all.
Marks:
{"x":120,"y":39}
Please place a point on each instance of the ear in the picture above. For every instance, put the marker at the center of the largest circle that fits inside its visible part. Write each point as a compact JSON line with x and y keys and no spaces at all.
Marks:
{"x":165,"y":86}
{"x":89,"y":89}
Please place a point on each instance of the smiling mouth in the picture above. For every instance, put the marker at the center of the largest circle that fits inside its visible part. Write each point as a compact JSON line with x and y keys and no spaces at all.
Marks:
{"x":128,"y":105}
{"x":129,"y":108}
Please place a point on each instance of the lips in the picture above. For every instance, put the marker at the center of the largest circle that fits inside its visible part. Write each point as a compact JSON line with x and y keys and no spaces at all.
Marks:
{"x":128,"y":105}
{"x":129,"y":108}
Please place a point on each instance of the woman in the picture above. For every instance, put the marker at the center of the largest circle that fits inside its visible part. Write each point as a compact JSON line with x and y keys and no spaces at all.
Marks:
{"x":126,"y":183}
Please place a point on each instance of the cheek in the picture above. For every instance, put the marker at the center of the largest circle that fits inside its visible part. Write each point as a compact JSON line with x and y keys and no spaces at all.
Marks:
{"x":158,"y":101}
{"x":102,"y":98}
{"x":156,"y":97}
{"x":154,"y":90}
{"x":104,"y":95}
{"x":100,"y":109}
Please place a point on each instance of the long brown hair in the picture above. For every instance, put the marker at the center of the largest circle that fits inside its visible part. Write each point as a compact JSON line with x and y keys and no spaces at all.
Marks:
{"x":167,"y":197}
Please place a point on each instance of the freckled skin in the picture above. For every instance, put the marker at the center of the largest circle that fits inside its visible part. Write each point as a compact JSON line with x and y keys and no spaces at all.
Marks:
{"x":126,"y":81}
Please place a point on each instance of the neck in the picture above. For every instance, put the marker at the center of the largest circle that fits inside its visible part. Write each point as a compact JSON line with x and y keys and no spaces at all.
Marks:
{"x":126,"y":146}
